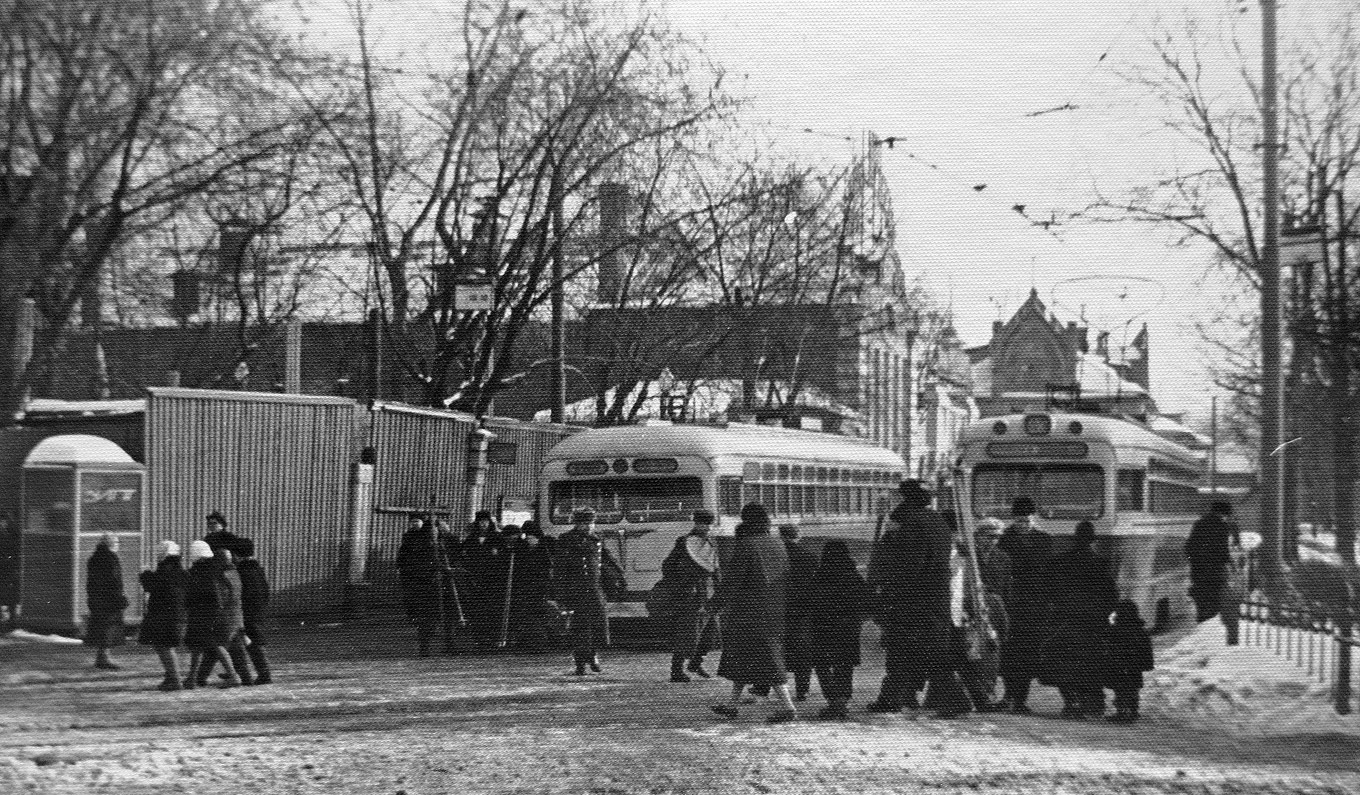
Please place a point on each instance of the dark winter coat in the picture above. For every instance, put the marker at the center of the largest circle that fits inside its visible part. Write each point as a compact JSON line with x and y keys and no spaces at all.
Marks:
{"x":752,"y":594}
{"x":213,"y":602}
{"x":254,"y":599}
{"x":1208,"y":550}
{"x":486,"y":561}
{"x":530,"y":586}
{"x":839,"y":601}
{"x":802,"y":569}
{"x":1030,"y":552}
{"x":582,"y":568}
{"x":994,"y":566}
{"x":166,"y":618}
{"x":1082,"y":595}
{"x":688,"y":588}
{"x":1130,"y":654}
{"x":421,"y":569}
{"x":910,"y":572}
{"x":105,"y":598}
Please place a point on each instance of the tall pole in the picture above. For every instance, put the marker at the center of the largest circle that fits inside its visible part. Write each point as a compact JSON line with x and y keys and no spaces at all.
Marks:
{"x":1272,"y":374}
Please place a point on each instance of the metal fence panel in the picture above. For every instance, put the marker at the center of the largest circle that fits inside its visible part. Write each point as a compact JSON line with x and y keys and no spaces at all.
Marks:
{"x":276,"y":465}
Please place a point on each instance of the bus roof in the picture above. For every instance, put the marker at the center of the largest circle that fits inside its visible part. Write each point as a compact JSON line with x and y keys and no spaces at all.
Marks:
{"x":736,"y":439}
{"x":1118,"y":431}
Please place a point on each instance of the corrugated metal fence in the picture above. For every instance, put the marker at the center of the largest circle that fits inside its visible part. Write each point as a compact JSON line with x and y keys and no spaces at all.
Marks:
{"x":276,"y":465}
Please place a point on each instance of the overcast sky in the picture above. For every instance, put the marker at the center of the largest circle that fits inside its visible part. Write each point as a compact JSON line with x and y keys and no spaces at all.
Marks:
{"x":1017,"y":96}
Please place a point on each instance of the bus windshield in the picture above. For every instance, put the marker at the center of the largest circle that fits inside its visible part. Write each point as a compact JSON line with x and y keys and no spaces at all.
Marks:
{"x":631,"y":500}
{"x":1061,"y":491}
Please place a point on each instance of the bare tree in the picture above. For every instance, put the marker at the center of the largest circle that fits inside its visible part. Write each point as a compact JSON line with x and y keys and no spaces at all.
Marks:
{"x":1218,"y":203}
{"x":112,"y":119}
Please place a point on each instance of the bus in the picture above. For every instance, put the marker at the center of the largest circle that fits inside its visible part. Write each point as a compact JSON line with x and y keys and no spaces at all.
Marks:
{"x":645,"y":482}
{"x":1141,"y":490}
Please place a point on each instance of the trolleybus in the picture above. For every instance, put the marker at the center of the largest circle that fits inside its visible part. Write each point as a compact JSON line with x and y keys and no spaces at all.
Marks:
{"x":1142,"y":492}
{"x":645,"y":481}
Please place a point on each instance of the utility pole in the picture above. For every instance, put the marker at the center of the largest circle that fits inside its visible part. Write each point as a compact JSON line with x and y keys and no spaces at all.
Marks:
{"x":557,"y":346}
{"x":1272,"y":375}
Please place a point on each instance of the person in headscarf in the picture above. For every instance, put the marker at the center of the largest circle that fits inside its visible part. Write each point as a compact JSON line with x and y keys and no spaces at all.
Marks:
{"x":105,"y":598}
{"x":166,"y":619}
{"x":214,"y":612}
{"x":691,"y":573}
{"x":752,"y":597}
{"x":838,"y":603}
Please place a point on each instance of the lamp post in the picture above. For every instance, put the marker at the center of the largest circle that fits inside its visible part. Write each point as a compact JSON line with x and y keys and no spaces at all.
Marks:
{"x":1272,"y":380}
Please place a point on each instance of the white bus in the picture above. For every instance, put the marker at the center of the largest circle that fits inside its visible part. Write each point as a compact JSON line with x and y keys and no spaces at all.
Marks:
{"x":1139,"y":489}
{"x":645,"y":482}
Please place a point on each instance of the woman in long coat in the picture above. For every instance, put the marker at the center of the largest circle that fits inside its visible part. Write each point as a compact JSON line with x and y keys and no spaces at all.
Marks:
{"x":838,"y":603}
{"x":1082,"y":595}
{"x":422,"y":568}
{"x":165,"y":620}
{"x":752,"y":594}
{"x":213,"y":603}
{"x":105,"y":598}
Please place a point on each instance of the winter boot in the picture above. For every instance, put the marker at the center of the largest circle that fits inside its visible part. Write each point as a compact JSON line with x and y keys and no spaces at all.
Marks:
{"x":102,"y":661}
{"x":261,"y":663}
{"x":696,"y":667}
{"x":678,"y":668}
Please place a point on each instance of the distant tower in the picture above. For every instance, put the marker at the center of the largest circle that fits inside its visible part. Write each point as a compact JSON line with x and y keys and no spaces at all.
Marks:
{"x":614,"y":206}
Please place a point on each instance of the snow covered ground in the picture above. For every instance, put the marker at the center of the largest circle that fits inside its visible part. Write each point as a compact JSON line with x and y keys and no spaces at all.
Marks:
{"x":352,"y":713}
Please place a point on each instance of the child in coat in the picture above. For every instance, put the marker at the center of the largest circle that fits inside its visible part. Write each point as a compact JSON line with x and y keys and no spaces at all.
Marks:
{"x":1130,"y":654}
{"x":838,"y":604}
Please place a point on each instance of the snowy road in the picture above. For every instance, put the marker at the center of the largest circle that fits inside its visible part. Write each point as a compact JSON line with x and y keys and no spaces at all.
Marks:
{"x":349,"y":717}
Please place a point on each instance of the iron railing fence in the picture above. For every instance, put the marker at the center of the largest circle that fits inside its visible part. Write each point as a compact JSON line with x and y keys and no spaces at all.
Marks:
{"x":1315,"y":639}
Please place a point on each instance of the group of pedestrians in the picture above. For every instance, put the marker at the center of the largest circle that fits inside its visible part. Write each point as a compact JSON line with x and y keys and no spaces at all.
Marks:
{"x":507,"y":587}
{"x":216,"y":609}
{"x":1051,"y":616}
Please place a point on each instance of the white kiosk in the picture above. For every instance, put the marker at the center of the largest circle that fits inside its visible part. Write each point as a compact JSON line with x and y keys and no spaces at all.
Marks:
{"x":76,"y":488}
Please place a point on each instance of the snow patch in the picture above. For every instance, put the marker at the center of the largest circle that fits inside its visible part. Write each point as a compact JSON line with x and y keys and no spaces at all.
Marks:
{"x":24,"y":636}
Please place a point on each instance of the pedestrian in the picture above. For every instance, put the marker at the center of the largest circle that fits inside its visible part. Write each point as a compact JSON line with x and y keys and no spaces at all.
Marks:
{"x":254,"y":615}
{"x":529,"y":589}
{"x":217,"y":535}
{"x":421,"y":569}
{"x":910,"y":575}
{"x":838,"y":602}
{"x":105,"y":598}
{"x":802,"y":568}
{"x":212,"y":602}
{"x":690,"y":573}
{"x":1082,"y":595}
{"x":165,"y":620}
{"x":994,"y":571}
{"x":484,"y":556}
{"x":752,"y":596}
{"x":1130,"y":654}
{"x":583,"y":568}
{"x":1029,"y":549}
{"x":1208,"y":550}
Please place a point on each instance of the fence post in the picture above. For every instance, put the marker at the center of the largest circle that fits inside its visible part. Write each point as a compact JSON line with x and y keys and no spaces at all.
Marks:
{"x":1343,"y":665}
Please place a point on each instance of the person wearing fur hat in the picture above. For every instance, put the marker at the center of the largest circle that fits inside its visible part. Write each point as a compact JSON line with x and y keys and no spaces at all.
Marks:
{"x":106,"y":600}
{"x":585,"y":569}
{"x":910,"y":574}
{"x":1029,"y":549}
{"x":1081,"y":595}
{"x":214,"y":615}
{"x":254,"y":614}
{"x":165,"y":620}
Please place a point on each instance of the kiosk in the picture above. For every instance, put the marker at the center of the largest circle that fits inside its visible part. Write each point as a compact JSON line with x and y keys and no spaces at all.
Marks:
{"x":74,"y":489}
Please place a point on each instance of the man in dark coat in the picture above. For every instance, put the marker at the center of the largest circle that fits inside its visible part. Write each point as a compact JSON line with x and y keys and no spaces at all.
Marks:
{"x":165,"y":620}
{"x":802,"y":568}
{"x":1208,"y":551}
{"x":532,"y":569}
{"x":217,"y":535}
{"x":105,"y":598}
{"x":1082,"y":595}
{"x":254,"y":613}
{"x":422,"y":569}
{"x":582,"y":567}
{"x":1029,"y":549}
{"x":910,"y":574}
{"x":753,"y":595}
{"x":690,"y":572}
{"x":484,"y":556}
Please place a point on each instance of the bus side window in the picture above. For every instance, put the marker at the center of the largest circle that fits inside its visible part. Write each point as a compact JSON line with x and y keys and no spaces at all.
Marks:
{"x":729,"y":495}
{"x":1129,"y":490}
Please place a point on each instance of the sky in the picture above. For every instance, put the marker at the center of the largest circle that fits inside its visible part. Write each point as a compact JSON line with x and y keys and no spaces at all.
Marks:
{"x":1019,"y":97}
